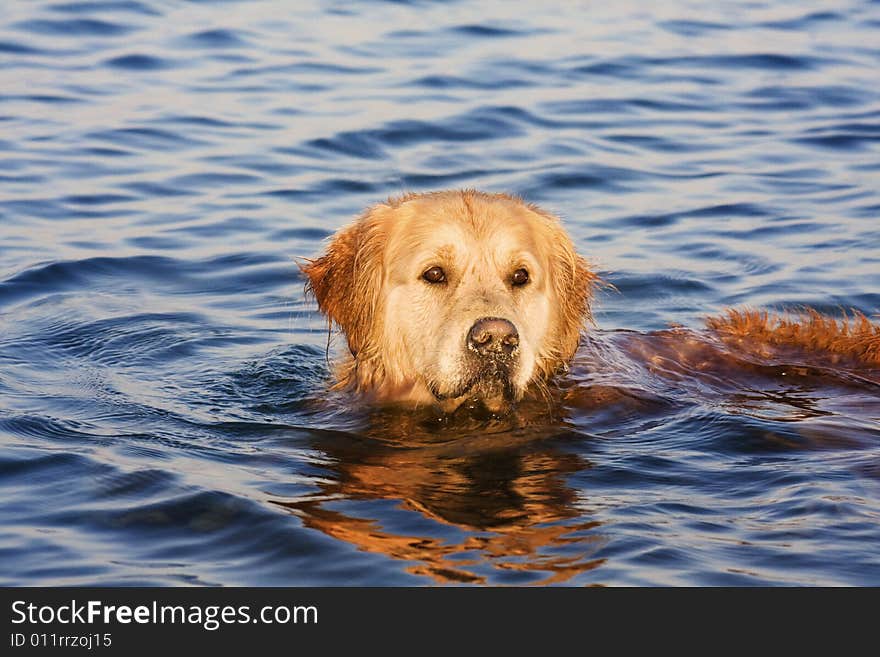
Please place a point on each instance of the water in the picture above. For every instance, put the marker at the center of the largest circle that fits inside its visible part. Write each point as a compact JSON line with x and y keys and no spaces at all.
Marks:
{"x":163,"y":414}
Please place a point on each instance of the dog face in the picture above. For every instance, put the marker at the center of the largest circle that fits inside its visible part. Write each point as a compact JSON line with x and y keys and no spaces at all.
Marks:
{"x":453,"y":296}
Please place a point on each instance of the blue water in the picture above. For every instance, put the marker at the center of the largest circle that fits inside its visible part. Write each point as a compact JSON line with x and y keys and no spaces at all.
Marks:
{"x":163,"y":414}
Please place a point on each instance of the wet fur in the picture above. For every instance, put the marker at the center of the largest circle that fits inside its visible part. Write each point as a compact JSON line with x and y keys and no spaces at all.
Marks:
{"x":851,"y":341}
{"x":351,"y":284}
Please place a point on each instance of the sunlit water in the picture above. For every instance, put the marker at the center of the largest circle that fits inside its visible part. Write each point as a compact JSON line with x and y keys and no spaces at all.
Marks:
{"x":163,"y":414}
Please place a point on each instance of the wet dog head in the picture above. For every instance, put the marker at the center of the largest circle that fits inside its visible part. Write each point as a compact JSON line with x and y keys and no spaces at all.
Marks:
{"x":453,"y":296}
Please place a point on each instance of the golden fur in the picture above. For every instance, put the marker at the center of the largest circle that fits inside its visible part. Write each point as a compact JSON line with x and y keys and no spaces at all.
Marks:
{"x":854,"y":341}
{"x":408,"y":337}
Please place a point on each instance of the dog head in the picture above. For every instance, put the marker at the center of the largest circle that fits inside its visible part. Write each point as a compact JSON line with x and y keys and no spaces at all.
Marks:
{"x":453,"y":296}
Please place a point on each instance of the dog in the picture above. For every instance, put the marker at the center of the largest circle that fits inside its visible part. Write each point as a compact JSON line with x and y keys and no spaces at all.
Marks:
{"x":465,"y":297}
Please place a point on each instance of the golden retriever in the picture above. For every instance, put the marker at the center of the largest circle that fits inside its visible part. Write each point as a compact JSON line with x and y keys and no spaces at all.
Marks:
{"x":463,"y":296}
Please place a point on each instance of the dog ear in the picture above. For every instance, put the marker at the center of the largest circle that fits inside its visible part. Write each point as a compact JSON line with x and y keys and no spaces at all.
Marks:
{"x":347,"y":278}
{"x":574,"y":282}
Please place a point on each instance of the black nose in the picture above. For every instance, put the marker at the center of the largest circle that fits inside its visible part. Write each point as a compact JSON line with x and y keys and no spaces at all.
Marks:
{"x":493,"y":337}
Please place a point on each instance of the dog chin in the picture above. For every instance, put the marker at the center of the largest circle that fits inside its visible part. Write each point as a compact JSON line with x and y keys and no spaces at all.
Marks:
{"x":491,"y":393}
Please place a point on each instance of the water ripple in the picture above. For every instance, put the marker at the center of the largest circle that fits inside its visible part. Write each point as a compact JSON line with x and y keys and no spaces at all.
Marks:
{"x":218,"y":38}
{"x":109,"y":6}
{"x":73,"y":28}
{"x":140,"y":62}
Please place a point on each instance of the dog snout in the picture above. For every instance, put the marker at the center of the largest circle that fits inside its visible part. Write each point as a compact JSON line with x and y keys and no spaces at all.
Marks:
{"x":493,"y":337}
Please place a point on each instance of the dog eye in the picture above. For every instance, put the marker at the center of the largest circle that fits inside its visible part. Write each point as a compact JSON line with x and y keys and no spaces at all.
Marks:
{"x":435,"y":275}
{"x":520,"y":277}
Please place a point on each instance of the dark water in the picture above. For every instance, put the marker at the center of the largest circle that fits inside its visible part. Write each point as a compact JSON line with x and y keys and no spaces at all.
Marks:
{"x":163,"y":418}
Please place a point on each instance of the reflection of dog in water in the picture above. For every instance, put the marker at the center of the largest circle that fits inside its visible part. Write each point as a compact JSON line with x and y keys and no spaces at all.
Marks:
{"x":465,"y":298}
{"x":489,"y":509}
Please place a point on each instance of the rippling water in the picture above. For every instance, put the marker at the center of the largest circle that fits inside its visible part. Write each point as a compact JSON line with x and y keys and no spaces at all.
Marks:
{"x":162,"y":414}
